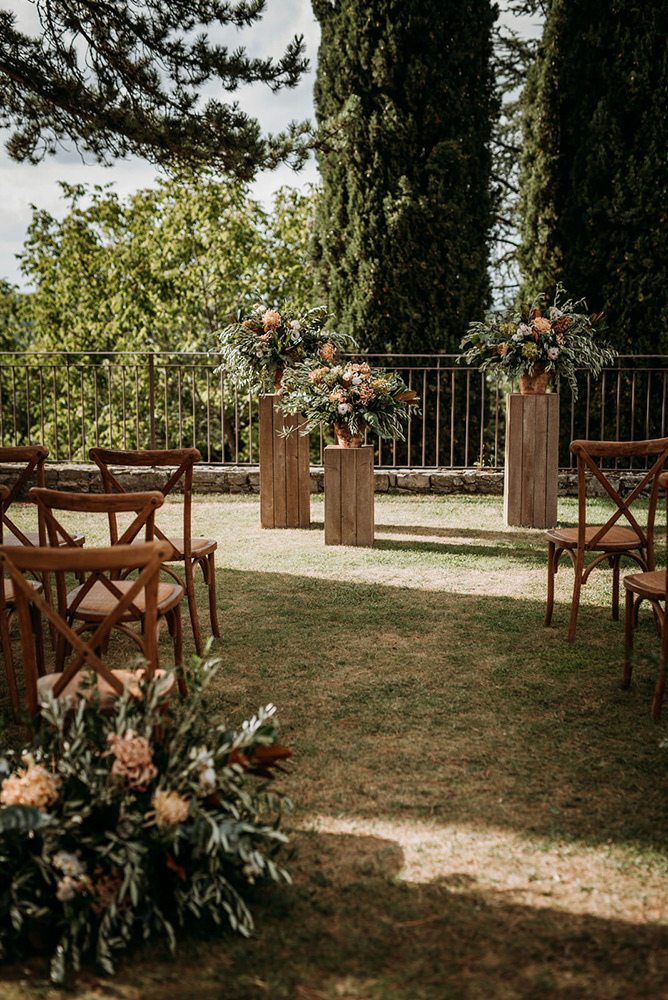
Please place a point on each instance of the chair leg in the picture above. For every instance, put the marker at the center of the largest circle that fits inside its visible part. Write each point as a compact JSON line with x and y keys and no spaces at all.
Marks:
{"x":175,"y":630}
{"x":550,"y":583}
{"x":211,"y":581}
{"x":39,"y":640}
{"x":628,"y":639}
{"x":615,"y":588}
{"x":192,"y":605}
{"x":575,"y":604}
{"x":5,"y":643}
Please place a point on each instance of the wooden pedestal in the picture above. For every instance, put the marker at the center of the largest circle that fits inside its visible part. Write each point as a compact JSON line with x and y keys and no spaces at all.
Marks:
{"x":349,"y":495}
{"x":285,"y":480}
{"x":532,"y":449}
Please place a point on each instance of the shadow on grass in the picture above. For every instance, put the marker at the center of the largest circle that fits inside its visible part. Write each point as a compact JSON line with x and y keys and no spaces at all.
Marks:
{"x":406,"y":703}
{"x":513,"y":536}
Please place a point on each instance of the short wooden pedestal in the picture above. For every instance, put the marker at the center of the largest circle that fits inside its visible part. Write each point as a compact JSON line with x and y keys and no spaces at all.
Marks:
{"x":349,"y":495}
{"x":285,"y":480}
{"x":532,"y":463}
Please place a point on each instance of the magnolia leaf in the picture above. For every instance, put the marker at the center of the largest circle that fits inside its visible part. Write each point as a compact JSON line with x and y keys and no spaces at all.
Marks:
{"x":22,"y":819}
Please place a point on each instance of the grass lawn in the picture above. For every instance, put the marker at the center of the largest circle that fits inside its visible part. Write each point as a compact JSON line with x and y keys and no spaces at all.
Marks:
{"x":480,"y":811}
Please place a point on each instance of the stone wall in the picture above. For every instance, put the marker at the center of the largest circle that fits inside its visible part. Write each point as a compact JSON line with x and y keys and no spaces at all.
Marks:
{"x":246,"y":479}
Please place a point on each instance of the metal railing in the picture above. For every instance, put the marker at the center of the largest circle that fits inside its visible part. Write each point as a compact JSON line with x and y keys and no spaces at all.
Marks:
{"x":72,"y":401}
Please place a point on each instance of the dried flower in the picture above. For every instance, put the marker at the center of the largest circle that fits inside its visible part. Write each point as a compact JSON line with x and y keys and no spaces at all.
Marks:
{"x":264,"y":337}
{"x":327,"y":351}
{"x":562,"y":324}
{"x":134,"y":759}
{"x":344,"y":408}
{"x":68,"y":864}
{"x":502,"y":349}
{"x":32,"y":786}
{"x":555,"y":314}
{"x":530,"y":352}
{"x":315,"y":377}
{"x":67,"y":889}
{"x":560,"y":338}
{"x":271,"y":319}
{"x":523,"y":330}
{"x":169,"y":807}
{"x":104,"y":891}
{"x":541,"y":325}
{"x":295,"y":325}
{"x":553,"y":353}
{"x":509,"y":329}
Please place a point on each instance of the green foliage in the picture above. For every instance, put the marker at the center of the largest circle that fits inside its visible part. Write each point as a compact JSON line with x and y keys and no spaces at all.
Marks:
{"x":138,"y":823}
{"x":527,"y":341}
{"x":595,"y":197}
{"x":120,"y":79}
{"x":352,"y":395}
{"x":165,"y":268}
{"x":14,"y":325}
{"x":260,"y":345}
{"x":405,"y":91}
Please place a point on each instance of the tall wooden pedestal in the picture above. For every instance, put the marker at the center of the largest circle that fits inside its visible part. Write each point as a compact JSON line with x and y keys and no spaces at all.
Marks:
{"x":532,"y":460}
{"x":349,"y":495}
{"x":285,"y":480}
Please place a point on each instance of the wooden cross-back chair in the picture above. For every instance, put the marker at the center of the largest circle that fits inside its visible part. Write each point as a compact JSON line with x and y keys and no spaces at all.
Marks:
{"x":31,"y":461}
{"x":123,"y":604}
{"x":611,"y":541}
{"x":89,"y":602}
{"x":7,"y":617}
{"x":651,"y":586}
{"x":192,"y":552}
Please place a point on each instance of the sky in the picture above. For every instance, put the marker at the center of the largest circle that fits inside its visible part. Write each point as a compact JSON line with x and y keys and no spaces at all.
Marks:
{"x":24,"y":185}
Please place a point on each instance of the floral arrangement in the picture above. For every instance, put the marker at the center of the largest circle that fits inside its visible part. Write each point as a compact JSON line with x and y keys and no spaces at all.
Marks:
{"x":260,"y":346}
{"x":113,"y":828}
{"x":350,"y":396}
{"x":560,"y":339}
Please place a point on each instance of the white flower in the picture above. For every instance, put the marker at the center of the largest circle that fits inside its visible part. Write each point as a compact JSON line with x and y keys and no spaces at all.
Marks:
{"x":344,"y":408}
{"x":207,"y":780}
{"x":295,"y":336}
{"x":66,"y":889}
{"x":522,"y":331}
{"x":555,"y":314}
{"x":347,"y":375}
{"x":68,"y":864}
{"x":553,"y":353}
{"x":357,"y":379}
{"x":296,"y":325}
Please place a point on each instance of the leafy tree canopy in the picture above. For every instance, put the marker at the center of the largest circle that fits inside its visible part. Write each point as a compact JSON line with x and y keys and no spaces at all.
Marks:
{"x":164,"y":269}
{"x":124,"y":77}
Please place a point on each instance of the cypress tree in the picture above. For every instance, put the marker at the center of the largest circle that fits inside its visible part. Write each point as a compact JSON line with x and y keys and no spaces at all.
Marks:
{"x":595,"y":174}
{"x":404,"y":90}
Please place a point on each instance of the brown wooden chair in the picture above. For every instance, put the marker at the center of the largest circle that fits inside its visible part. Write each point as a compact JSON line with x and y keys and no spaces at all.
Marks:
{"x":30,"y":461}
{"x":91,"y":601}
{"x":7,"y":617}
{"x":607,"y":542}
{"x":100,"y":568}
{"x":651,"y":586}
{"x":192,"y":552}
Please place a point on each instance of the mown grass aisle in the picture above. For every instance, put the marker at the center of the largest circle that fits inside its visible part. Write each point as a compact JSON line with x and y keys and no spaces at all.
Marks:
{"x":480,"y":812}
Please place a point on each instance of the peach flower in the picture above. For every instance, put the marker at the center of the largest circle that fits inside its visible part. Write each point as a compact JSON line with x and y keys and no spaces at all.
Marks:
{"x":32,"y":786}
{"x":170,"y":807}
{"x":541,"y":325}
{"x":271,"y":319}
{"x":326,"y":351}
{"x":134,"y":759}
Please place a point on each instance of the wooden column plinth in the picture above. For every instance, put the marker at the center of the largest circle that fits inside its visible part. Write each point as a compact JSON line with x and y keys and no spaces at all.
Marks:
{"x":285,"y":475}
{"x":349,"y":495}
{"x":532,"y":460}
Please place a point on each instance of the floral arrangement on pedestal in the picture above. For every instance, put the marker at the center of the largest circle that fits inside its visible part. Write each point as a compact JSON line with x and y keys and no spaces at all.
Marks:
{"x":261,"y":345}
{"x":350,"y":397}
{"x":113,"y":828}
{"x":538,"y":343}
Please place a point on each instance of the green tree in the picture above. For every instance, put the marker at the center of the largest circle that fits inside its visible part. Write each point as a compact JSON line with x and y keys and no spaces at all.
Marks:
{"x":402,"y":228}
{"x":15,"y":329}
{"x":594,"y":172}
{"x":120,"y":78}
{"x":164,"y":269}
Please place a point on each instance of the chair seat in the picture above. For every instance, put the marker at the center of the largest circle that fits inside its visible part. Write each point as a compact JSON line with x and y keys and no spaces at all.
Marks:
{"x":99,"y":601}
{"x":616,"y":538}
{"x":650,"y":585}
{"x":80,"y":686}
{"x":199,"y":547}
{"x":33,"y":538}
{"x":9,"y":588}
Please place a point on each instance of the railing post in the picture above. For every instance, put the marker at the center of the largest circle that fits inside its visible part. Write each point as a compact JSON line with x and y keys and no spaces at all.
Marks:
{"x":151,"y":397}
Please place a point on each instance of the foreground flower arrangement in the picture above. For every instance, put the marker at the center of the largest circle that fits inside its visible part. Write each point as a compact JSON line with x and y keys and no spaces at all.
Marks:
{"x":350,"y":397}
{"x":260,"y":346}
{"x":531,"y":343}
{"x":116,"y":828}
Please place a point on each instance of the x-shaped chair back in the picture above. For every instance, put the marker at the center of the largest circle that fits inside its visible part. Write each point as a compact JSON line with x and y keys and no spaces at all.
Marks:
{"x":142,"y":505}
{"x":31,"y":460}
{"x":586,"y":453}
{"x":103,"y":565}
{"x":183,"y":458}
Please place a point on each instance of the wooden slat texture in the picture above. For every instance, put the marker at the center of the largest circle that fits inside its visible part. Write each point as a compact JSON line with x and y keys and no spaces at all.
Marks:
{"x":285,"y":473}
{"x":304,"y":488}
{"x":333,"y":495}
{"x":364,"y":502}
{"x":349,"y":496}
{"x":531,"y":472}
{"x":266,"y":412}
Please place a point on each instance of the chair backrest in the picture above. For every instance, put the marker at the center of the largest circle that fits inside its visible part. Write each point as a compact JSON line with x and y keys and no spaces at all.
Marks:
{"x":4,"y":493}
{"x":94,"y":565}
{"x":181,"y":459}
{"x":587,"y":452}
{"x":30,"y":461}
